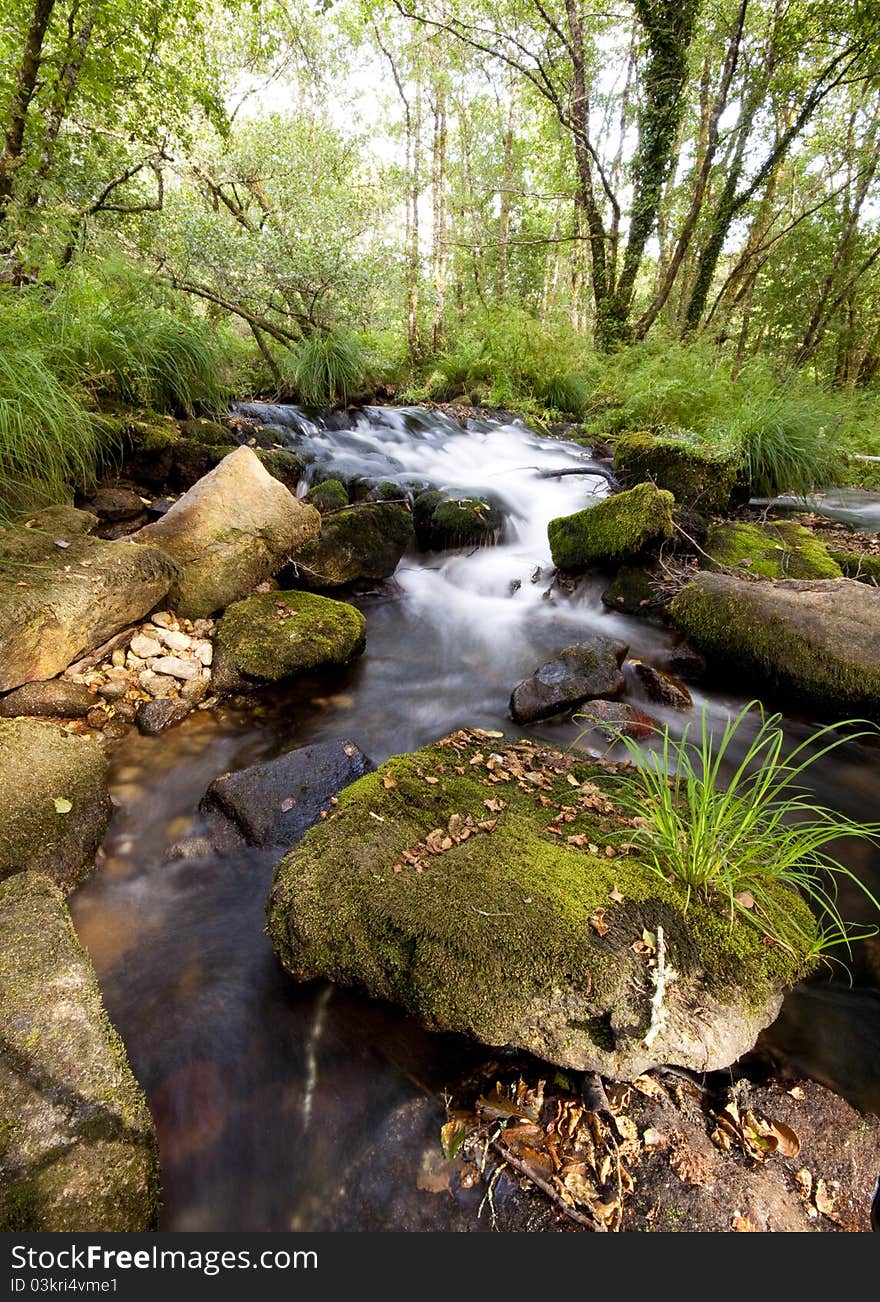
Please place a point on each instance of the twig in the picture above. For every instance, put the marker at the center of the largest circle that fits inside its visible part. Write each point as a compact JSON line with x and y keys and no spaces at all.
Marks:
{"x":106,"y":648}
{"x":662,"y":976}
{"x":588,"y":1222}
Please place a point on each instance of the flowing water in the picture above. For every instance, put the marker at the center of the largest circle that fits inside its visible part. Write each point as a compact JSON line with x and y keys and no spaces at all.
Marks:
{"x":306,"y":1107}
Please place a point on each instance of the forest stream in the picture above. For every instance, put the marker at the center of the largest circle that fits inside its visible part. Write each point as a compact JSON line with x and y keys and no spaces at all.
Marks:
{"x":265,"y":1093}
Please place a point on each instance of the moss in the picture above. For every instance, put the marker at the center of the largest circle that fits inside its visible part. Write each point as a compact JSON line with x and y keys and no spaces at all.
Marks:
{"x":864,"y":566}
{"x":783,"y":550}
{"x":616,"y":527}
{"x":443,"y":522}
{"x":633,"y":590}
{"x":272,"y":635}
{"x":328,"y":495}
{"x":282,"y":464}
{"x":361,"y":542}
{"x":494,"y":936}
{"x":210,"y":433}
{"x":699,"y":475}
{"x":742,"y":634}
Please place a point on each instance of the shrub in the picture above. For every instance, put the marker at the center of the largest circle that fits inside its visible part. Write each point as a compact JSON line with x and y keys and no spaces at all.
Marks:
{"x":329,"y":368}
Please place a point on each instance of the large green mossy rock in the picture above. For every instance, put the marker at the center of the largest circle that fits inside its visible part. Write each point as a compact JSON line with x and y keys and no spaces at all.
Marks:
{"x":273,"y":635}
{"x":469,"y":882}
{"x":364,"y":542}
{"x":864,"y":566}
{"x":234,"y":528}
{"x":56,"y":804}
{"x":700,"y":476}
{"x":782,"y":550}
{"x":816,"y":642}
{"x":63,"y":593}
{"x":443,"y":522}
{"x":615,"y":528}
{"x":77,"y":1144}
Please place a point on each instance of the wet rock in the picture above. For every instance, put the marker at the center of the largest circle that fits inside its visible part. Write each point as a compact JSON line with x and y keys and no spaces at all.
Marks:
{"x":783,"y":550}
{"x":155,"y":716}
{"x":442,"y":522}
{"x":192,"y":847}
{"x":125,"y":710}
{"x":233,"y":529}
{"x":699,"y":476}
{"x":515,"y":929}
{"x":283,"y":465}
{"x":685,"y":662}
{"x":113,"y":690}
{"x":42,"y":772}
{"x":72,"y":598}
{"x":97,"y":717}
{"x":56,"y":698}
{"x":275,"y":634}
{"x":615,"y":528}
{"x":79,"y":1150}
{"x":659,"y":686}
{"x":274,"y":803}
{"x":585,"y":670}
{"x":613,"y":719}
{"x":633,"y":590}
{"x":816,"y":642}
{"x":364,"y":542}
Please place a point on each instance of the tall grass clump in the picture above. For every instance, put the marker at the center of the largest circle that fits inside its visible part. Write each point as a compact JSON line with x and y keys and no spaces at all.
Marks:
{"x":747,"y":840}
{"x":330,"y":368}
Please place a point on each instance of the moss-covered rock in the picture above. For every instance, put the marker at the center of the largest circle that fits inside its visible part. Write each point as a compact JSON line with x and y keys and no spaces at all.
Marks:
{"x":700,"y":476}
{"x":272,"y":635}
{"x":236,"y":527}
{"x":363,"y":542}
{"x":443,"y":522}
{"x":469,"y":882}
{"x":329,"y":495}
{"x":282,"y":464}
{"x":633,"y":590}
{"x":77,"y":1145}
{"x":615,"y":528}
{"x":56,"y":801}
{"x":63,"y":593}
{"x":781,"y":550}
{"x":864,"y":566}
{"x":208,"y":432}
{"x":816,"y":642}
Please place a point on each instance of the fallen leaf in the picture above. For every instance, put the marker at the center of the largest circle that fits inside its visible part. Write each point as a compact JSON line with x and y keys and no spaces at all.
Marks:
{"x":451,"y":1136}
{"x":745,"y":899}
{"x":796,"y":1092}
{"x":62,"y":805}
{"x":287,"y":804}
{"x":598,"y":923}
{"x":743,"y":1225}
{"x":804,"y":1181}
{"x":494,"y":805}
{"x":826,"y":1197}
{"x":788,"y":1140}
{"x":389,"y":781}
{"x":616,"y":896}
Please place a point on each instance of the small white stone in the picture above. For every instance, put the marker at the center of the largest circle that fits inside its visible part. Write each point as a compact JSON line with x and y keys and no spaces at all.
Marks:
{"x":174,"y":640}
{"x":176,"y":667}
{"x":117,"y":671}
{"x":144,"y":647}
{"x":156,"y":684}
{"x":162,"y":618}
{"x":135,"y":662}
{"x":118,"y":657}
{"x":204,"y":653}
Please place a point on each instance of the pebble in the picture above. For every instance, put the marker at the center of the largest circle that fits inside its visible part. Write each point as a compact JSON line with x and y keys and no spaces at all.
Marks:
{"x":114,"y":690}
{"x":118,"y":657}
{"x":96,"y":717}
{"x":144,"y":647}
{"x":156,"y":684}
{"x":124,"y":710}
{"x":174,"y":640}
{"x":195,"y":690}
{"x":202,"y":627}
{"x":204,"y":653}
{"x":135,"y":662}
{"x":162,"y":619}
{"x":174,"y":666}
{"x":117,"y":673}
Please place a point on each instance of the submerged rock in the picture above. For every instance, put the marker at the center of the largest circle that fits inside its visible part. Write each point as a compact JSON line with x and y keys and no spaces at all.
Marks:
{"x":469,"y":882}
{"x":55,"y":798}
{"x":63,"y":593}
{"x":363,"y":542}
{"x":233,"y":529}
{"x":815,"y":642}
{"x":274,"y":803}
{"x":78,"y":1150}
{"x":700,"y":476}
{"x":615,"y":528}
{"x":783,"y":550}
{"x":587,"y":669}
{"x":272,"y":635}
{"x":155,"y":716}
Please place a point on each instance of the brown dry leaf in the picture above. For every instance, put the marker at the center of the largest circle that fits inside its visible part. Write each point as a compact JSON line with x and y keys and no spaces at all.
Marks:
{"x":721,"y":1139}
{"x":598,"y":923}
{"x":743,"y":1225}
{"x":627,"y":1128}
{"x":610,"y":852}
{"x":691,"y":1167}
{"x":615,"y":895}
{"x":495,"y":805}
{"x":389,"y":781}
{"x":653,"y":1138}
{"x":826,"y":1197}
{"x":431,"y":781}
{"x":489,"y":825}
{"x":652,"y":1088}
{"x":746,"y":899}
{"x":796,"y":1092}
{"x":451,"y":1136}
{"x":581,"y":1189}
{"x":434,"y":840}
{"x":804,"y":1181}
{"x":788,"y":1140}
{"x":606,"y":1166}
{"x":455,"y":825}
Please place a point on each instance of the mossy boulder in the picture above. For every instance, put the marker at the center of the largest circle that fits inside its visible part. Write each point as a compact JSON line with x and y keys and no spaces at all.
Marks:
{"x":77,"y":1145}
{"x":329,"y":495}
{"x":63,"y":592}
{"x":615,"y":528}
{"x":56,"y":801}
{"x":864,"y":566}
{"x":210,"y":433}
{"x":272,"y":635}
{"x":700,"y":476}
{"x":781,"y":550}
{"x":633,"y":590}
{"x":470,"y":883}
{"x":236,"y":527}
{"x":443,"y":522}
{"x":816,"y":642}
{"x":363,"y":542}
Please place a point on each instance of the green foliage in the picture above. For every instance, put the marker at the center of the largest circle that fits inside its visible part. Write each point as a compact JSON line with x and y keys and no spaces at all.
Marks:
{"x":759,"y":830}
{"x":329,"y":368}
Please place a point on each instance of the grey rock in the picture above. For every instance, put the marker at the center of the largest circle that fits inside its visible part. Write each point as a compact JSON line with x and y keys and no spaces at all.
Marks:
{"x":155,"y":716}
{"x":588,"y":669}
{"x":56,"y":698}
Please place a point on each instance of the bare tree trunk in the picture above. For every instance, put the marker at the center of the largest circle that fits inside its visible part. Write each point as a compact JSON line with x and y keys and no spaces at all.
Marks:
{"x":26,"y":84}
{"x":506,"y":185}
{"x":440,"y":207}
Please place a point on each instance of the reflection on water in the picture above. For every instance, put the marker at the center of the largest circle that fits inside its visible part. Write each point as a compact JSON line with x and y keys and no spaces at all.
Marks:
{"x":264,"y":1092}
